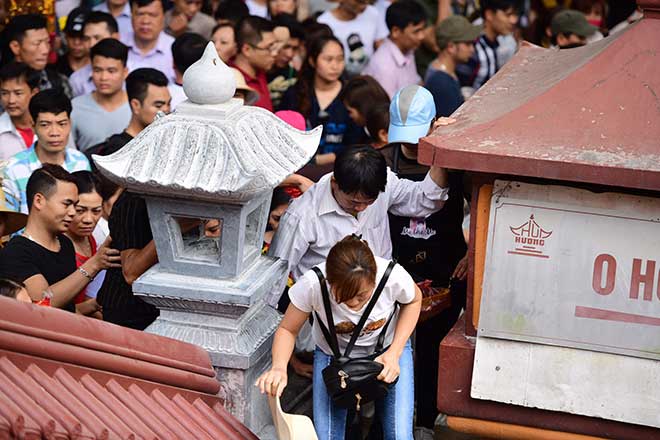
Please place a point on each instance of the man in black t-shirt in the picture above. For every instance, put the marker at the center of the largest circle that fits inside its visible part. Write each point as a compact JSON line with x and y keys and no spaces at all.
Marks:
{"x":131,"y":235}
{"x":43,"y":258}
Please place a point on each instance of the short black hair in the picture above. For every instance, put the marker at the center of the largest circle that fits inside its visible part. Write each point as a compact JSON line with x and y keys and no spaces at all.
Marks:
{"x":44,"y":181}
{"x":20,"y":24}
{"x":20,"y":71}
{"x":377,"y":118}
{"x":106,"y":188}
{"x":361,"y":170}
{"x":187,"y":49}
{"x":249,"y":29}
{"x":143,"y":3}
{"x":86,"y":182}
{"x":137,"y":82}
{"x":95,"y":17}
{"x":231,"y":11}
{"x":498,"y":5}
{"x":404,"y":13}
{"x":49,"y":101}
{"x":296,"y":29}
{"x":110,"y":48}
{"x":10,"y":288}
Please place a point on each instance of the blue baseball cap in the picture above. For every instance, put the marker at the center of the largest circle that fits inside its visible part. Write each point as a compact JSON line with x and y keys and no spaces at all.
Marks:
{"x":411,"y":112}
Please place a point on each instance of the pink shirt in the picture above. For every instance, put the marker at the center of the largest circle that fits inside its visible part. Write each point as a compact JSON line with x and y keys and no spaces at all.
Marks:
{"x":391,"y":68}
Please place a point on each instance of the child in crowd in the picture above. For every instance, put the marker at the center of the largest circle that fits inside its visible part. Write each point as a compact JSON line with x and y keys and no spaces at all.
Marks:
{"x":360,"y":94}
{"x":316,"y":96}
{"x":14,"y":289}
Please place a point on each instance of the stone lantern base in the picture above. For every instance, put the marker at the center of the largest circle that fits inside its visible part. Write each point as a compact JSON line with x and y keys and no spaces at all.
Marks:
{"x":229,"y":319}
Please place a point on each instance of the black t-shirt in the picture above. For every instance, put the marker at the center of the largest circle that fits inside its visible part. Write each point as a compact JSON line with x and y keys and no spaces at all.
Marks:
{"x":22,"y":258}
{"x":62,"y":66}
{"x":446,"y":92}
{"x":427,"y":248}
{"x":129,"y":229}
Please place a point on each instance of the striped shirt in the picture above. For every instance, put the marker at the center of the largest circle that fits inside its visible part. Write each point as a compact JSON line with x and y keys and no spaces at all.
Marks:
{"x":486,"y":52}
{"x":21,"y":166}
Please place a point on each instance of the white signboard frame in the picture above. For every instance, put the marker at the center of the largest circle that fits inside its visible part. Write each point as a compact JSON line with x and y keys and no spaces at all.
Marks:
{"x":573,"y":268}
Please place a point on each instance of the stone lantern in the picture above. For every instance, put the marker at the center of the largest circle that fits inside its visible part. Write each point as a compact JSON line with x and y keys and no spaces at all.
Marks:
{"x":207,"y":172}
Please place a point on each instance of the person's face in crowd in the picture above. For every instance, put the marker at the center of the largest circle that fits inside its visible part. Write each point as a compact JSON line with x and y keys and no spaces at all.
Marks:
{"x":34,"y":48}
{"x":188,"y":7}
{"x":157,"y":100}
{"x":282,"y":7}
{"x":108,"y":75}
{"x":329,"y":65}
{"x":77,"y":47}
{"x":354,"y":7}
{"x":225,"y":43}
{"x":262,"y":56}
{"x":52,"y":130}
{"x":289,"y":50}
{"x":148,"y":21}
{"x":275,"y":216}
{"x":362,"y":297}
{"x":95,"y":32}
{"x":461,"y":51}
{"x":59,"y":208}
{"x":410,"y":37}
{"x":570,"y":41}
{"x":595,"y":16}
{"x":15,"y":95}
{"x":88,"y":213}
{"x":351,"y":203}
{"x":212,"y":228}
{"x":502,"y":22}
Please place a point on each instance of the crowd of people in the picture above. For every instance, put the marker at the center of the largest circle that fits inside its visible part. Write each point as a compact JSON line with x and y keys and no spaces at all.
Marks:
{"x":87,"y":77}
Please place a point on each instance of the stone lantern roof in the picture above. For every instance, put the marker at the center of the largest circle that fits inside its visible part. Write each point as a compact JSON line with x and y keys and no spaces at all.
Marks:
{"x":212,"y":147}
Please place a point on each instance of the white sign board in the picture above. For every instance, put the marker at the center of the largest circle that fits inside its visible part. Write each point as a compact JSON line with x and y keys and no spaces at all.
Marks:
{"x":573,"y":268}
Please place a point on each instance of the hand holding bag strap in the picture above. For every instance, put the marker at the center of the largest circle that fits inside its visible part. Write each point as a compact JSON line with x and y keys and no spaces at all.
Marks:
{"x":370,"y":306}
{"x":330,"y":335}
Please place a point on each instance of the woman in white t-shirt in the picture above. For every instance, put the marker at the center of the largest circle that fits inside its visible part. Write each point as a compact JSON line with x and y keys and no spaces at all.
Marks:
{"x":352,"y":273}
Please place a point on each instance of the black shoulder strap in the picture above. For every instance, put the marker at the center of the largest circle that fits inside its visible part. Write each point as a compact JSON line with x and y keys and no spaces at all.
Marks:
{"x":374,"y":298}
{"x":330,"y":335}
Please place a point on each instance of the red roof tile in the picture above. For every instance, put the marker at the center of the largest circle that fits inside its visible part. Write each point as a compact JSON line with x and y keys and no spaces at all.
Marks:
{"x":64,"y":376}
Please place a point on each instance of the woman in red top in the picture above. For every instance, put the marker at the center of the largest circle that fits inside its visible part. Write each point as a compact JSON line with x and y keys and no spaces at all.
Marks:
{"x":81,"y":229}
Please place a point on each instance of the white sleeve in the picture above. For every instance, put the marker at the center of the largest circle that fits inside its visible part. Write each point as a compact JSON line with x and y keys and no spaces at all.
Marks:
{"x":414,"y":199}
{"x":301,"y":294}
{"x":402,"y":284}
{"x":290,"y":241}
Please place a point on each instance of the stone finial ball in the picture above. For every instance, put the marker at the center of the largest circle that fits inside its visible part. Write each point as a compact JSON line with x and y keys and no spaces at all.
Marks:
{"x":209,"y":80}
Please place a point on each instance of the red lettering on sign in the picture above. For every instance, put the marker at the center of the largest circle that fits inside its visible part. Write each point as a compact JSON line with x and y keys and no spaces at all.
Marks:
{"x":597,"y":281}
{"x":637,"y":278}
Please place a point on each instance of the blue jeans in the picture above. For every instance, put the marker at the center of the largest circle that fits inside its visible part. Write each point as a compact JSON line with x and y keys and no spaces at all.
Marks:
{"x":395,"y":410}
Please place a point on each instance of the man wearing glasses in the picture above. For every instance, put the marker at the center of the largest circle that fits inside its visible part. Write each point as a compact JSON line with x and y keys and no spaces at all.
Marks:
{"x":186,"y":16}
{"x":257,"y":48}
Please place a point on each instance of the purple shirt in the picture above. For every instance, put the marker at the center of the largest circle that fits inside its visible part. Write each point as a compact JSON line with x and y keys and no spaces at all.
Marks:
{"x":392,"y":69}
{"x":81,"y":81}
{"x":160,"y":57}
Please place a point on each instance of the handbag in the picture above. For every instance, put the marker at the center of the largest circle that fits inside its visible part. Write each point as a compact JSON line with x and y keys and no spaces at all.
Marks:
{"x":353,"y":381}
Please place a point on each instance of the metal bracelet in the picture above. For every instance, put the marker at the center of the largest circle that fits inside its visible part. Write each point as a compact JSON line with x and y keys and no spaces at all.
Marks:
{"x":85,"y":273}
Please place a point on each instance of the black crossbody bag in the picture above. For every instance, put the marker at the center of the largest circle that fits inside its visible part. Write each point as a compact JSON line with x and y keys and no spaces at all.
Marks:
{"x":353,"y":381}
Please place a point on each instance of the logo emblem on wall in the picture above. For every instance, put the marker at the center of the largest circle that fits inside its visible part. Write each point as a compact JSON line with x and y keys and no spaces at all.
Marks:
{"x":529,"y":239}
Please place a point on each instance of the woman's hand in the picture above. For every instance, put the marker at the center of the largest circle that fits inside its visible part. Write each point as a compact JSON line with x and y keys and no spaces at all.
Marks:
{"x":272,"y":382}
{"x":390,"y":363}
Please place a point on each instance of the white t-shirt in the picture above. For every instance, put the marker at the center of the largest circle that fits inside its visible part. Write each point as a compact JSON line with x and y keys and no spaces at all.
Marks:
{"x":306,"y":296}
{"x":257,"y":9}
{"x":358,"y":36}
